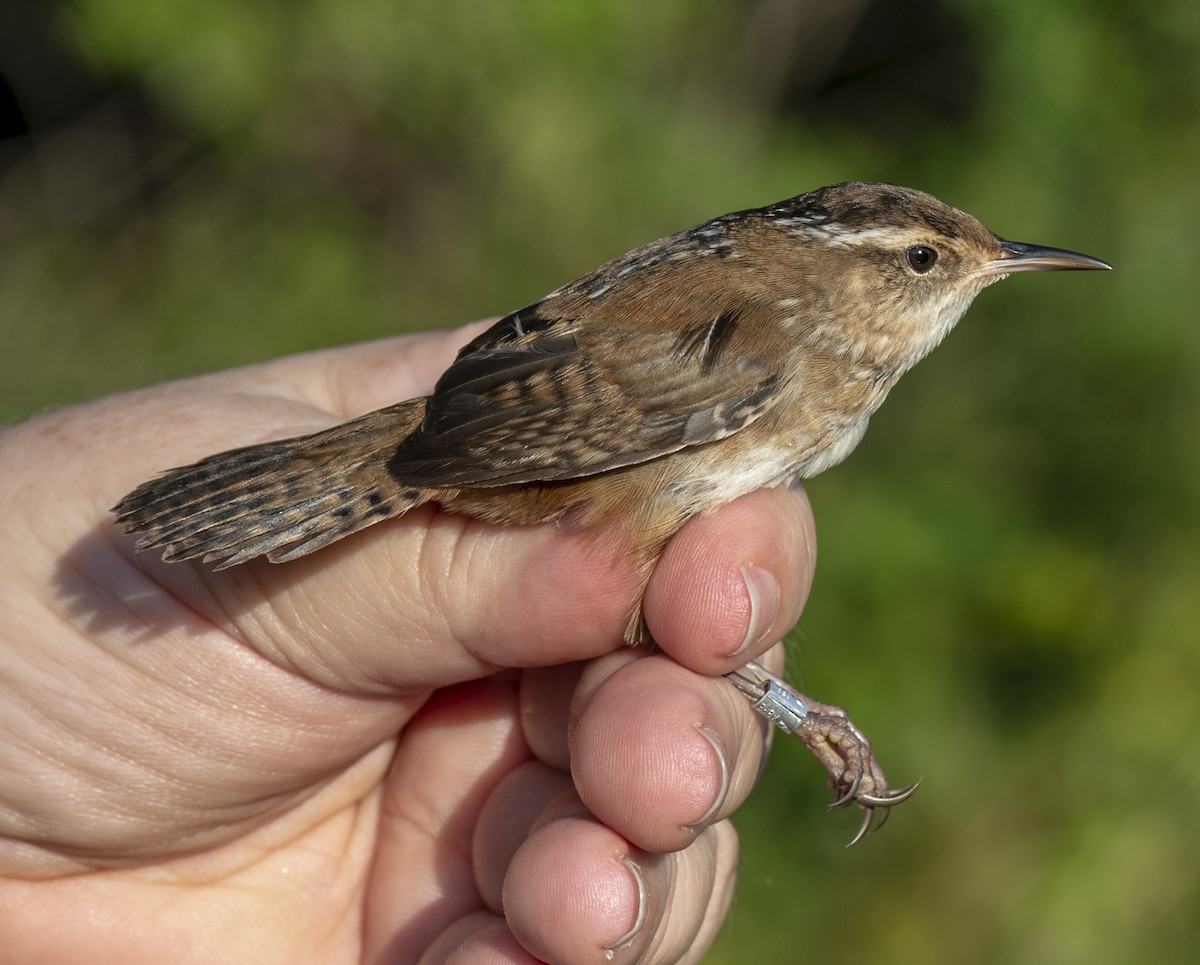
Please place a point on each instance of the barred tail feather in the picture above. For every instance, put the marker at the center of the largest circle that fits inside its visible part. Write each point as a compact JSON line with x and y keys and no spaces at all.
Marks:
{"x":280,"y":499}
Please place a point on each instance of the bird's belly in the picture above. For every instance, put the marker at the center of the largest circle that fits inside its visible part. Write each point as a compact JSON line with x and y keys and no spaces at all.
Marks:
{"x":721,"y":472}
{"x":840,"y":445}
{"x":721,"y":481}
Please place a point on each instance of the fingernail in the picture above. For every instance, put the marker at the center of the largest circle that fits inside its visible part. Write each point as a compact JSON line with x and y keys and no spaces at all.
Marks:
{"x":639,"y":922}
{"x":723,"y":789}
{"x":763,"y":591}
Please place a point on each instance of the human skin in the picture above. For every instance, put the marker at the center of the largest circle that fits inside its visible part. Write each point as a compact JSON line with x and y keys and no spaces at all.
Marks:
{"x":425,"y":743}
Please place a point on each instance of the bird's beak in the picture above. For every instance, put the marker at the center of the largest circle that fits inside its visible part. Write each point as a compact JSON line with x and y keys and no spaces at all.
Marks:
{"x":1018,"y":256}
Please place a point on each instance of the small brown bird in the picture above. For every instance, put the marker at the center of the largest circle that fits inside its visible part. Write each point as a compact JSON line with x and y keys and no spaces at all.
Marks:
{"x":749,"y":351}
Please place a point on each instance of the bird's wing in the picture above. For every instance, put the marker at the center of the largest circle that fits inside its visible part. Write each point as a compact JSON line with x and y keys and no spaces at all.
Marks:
{"x":534,"y":399}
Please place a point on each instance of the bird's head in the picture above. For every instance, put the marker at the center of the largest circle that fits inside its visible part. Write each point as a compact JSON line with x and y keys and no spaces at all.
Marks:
{"x":896,"y":267}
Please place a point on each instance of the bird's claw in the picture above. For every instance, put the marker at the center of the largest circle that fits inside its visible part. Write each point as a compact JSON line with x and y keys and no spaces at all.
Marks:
{"x":854,"y":773}
{"x":873,"y":804}
{"x":834,"y":740}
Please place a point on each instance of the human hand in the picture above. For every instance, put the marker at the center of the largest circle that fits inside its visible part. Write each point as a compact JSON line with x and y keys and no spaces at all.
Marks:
{"x":333,"y":759}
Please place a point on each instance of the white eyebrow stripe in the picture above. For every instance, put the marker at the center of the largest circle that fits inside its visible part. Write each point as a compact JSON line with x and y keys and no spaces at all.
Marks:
{"x":838,"y":236}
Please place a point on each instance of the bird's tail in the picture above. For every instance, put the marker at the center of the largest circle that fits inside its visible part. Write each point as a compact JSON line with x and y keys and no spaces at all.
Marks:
{"x":279,"y":499}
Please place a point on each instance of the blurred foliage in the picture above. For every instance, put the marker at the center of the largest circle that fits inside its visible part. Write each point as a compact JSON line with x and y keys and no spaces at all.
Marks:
{"x":1009,"y":589}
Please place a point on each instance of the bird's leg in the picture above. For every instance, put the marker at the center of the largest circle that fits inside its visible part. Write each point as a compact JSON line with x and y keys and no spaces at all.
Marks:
{"x":835,"y":741}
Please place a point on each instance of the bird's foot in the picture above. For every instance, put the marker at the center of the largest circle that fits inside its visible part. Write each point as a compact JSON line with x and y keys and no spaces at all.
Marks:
{"x":854,"y":773}
{"x":833,"y":738}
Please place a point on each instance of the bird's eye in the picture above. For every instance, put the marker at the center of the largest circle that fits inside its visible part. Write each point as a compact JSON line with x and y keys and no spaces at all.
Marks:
{"x":921,"y":259}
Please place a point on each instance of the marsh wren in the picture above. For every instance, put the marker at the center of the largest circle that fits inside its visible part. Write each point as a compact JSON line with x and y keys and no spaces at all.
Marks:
{"x":749,"y":351}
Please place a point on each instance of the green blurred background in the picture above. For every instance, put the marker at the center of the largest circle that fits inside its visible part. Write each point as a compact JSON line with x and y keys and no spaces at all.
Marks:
{"x":1009,"y":590}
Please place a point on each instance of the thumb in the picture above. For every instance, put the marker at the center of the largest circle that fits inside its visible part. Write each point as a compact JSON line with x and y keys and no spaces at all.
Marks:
{"x":428,"y":600}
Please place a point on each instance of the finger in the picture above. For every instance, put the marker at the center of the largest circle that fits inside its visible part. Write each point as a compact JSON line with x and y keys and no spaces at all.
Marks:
{"x":658,"y":752}
{"x":578,"y":892}
{"x":733,"y":582}
{"x":480,"y":939}
{"x":700,"y":892}
{"x":522,"y":799}
{"x":547,"y":695}
{"x":456,"y":751}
